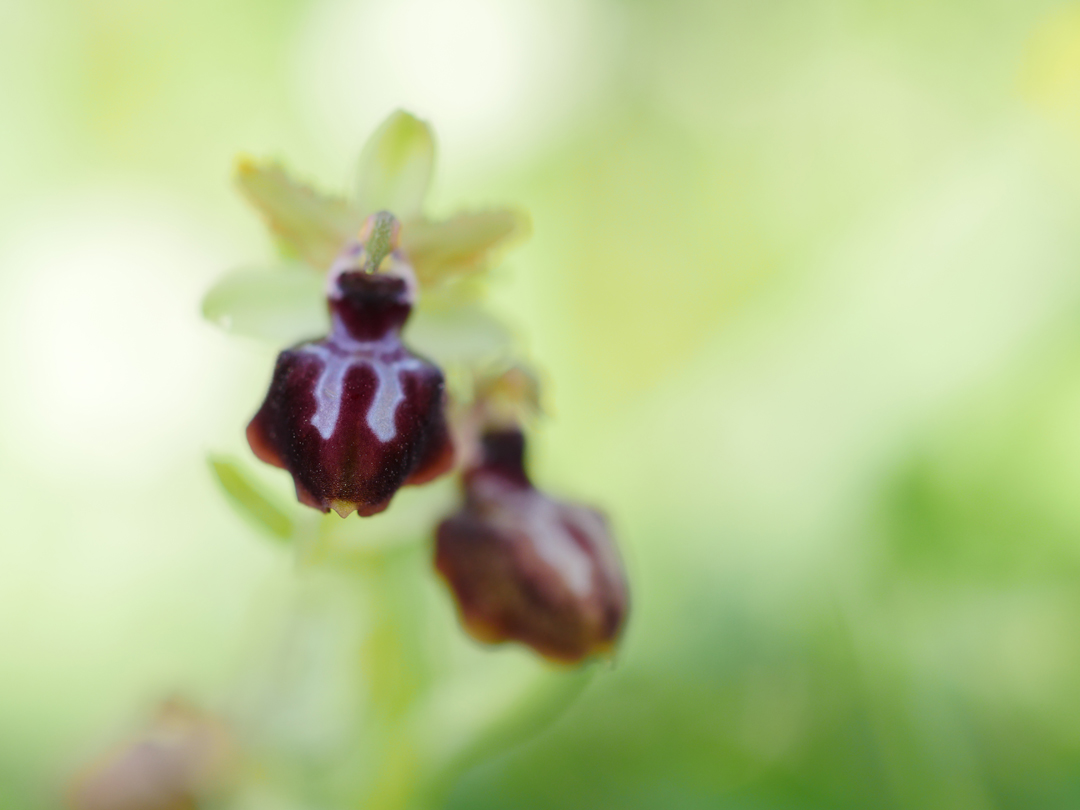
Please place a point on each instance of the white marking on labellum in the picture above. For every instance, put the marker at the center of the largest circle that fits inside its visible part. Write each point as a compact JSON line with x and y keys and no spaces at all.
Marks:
{"x":554,"y":545}
{"x":389,"y":393}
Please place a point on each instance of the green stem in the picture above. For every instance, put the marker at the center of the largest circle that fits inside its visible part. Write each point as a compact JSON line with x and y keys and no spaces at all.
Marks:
{"x":396,"y":671}
{"x":425,"y":742}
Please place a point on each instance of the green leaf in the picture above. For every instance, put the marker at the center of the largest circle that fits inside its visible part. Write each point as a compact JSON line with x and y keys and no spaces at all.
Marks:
{"x":463,"y":244}
{"x":249,"y":499}
{"x":312,"y":226}
{"x":461,"y":334}
{"x":395,"y":168}
{"x":282,"y":306}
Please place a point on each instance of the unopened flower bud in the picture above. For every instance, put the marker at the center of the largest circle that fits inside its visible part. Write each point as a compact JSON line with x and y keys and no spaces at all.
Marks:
{"x":529,"y":568}
{"x":183,"y":756}
{"x":356,"y":415}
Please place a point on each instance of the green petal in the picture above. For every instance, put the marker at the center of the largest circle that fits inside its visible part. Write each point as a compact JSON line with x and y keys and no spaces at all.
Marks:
{"x":464,"y":334}
{"x":463,"y":244}
{"x":396,"y":167}
{"x":281,"y":306}
{"x":309,"y":225}
{"x":247,"y":496}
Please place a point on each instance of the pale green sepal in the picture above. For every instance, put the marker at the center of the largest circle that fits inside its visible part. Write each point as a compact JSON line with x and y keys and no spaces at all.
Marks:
{"x":464,"y":244}
{"x":395,"y":167}
{"x":464,"y":334}
{"x":311,"y":225}
{"x":249,"y":499}
{"x":281,"y":306}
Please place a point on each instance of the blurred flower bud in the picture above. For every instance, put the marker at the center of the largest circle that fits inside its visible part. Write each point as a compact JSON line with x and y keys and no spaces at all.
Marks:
{"x":506,"y":397}
{"x":526,"y":567}
{"x":183,"y":756}
{"x":356,"y":415}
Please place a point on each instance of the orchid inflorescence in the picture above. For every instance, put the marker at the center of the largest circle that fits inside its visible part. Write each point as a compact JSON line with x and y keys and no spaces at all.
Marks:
{"x":353,"y":414}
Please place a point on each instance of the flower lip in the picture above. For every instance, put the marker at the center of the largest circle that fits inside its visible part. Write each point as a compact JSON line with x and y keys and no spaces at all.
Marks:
{"x":356,"y":415}
{"x":370,"y":305}
{"x":352,"y":421}
{"x":526,"y":567}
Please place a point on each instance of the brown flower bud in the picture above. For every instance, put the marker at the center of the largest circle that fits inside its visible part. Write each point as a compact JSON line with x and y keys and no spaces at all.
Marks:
{"x":526,"y":567}
{"x":182,"y":756}
{"x":356,"y":415}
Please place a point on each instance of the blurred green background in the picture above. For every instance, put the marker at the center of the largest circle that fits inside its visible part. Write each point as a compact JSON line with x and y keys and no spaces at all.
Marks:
{"x":804,"y":280}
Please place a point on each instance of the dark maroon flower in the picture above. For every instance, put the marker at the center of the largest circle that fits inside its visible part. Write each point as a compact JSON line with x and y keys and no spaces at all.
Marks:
{"x":356,"y":415}
{"x":526,"y":567}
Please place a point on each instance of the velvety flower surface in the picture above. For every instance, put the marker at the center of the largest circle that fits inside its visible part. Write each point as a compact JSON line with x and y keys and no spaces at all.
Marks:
{"x":356,"y":415}
{"x":529,"y":568}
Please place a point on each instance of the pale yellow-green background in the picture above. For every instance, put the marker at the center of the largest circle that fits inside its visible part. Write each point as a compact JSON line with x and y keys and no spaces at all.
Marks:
{"x":805,"y":284}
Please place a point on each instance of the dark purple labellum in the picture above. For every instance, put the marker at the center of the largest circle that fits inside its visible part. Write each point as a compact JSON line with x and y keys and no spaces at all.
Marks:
{"x":526,"y":567}
{"x":356,"y":415}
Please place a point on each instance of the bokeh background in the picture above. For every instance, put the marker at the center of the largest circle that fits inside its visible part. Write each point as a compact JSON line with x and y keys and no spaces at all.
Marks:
{"x":804,"y":280}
